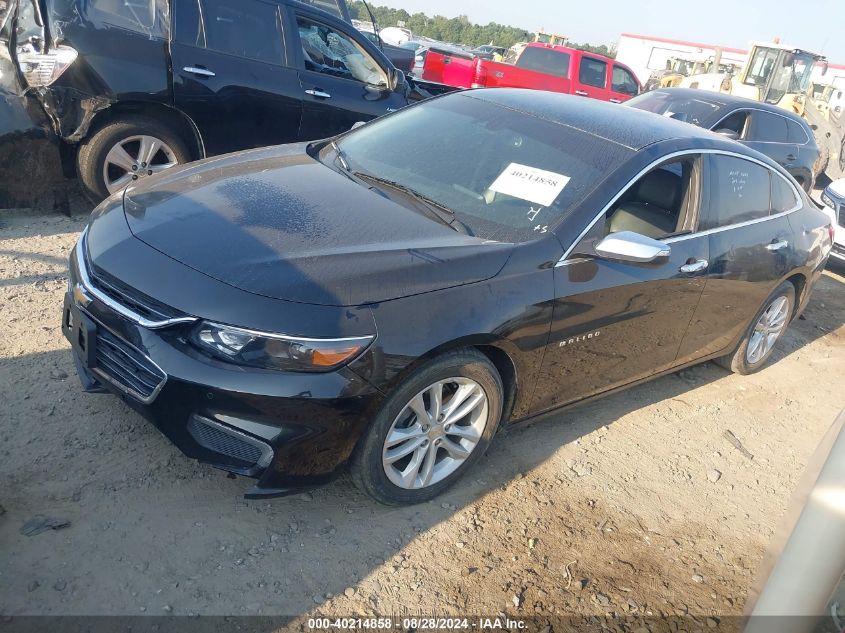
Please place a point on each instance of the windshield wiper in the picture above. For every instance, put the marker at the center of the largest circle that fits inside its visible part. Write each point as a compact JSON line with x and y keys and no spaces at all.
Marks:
{"x":438,"y":211}
{"x":341,"y":157}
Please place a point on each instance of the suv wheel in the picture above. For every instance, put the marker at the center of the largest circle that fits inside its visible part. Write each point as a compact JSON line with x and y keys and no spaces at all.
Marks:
{"x":125,"y":151}
{"x":432,"y":428}
{"x":766,"y":329}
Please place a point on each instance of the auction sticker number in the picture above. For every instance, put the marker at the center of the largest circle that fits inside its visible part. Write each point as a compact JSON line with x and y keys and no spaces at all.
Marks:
{"x":529,"y":183}
{"x":350,"y":623}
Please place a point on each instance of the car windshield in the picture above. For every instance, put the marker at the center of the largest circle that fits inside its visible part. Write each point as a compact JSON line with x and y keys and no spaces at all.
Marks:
{"x":507,"y":176}
{"x":690,"y":110}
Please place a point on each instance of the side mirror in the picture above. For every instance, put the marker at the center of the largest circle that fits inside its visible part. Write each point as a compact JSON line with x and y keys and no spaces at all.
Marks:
{"x":627,"y":246}
{"x":824,"y":67}
{"x":397,"y":80}
{"x":731,"y":134}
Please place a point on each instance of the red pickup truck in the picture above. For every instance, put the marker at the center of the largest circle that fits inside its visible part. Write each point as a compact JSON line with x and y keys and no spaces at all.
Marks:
{"x":537,"y":66}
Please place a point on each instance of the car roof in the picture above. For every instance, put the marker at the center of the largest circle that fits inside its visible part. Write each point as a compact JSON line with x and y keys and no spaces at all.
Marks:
{"x":629,"y":127}
{"x":727,"y":100}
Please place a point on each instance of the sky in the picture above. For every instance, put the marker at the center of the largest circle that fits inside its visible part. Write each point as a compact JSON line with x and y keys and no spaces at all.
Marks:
{"x":817,"y":25}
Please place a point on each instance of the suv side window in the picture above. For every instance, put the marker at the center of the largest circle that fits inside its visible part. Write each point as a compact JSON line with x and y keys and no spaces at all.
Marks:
{"x":796,"y":133}
{"x":739,"y":192}
{"x":735,"y":122}
{"x":767,"y":128}
{"x":251,"y":29}
{"x":592,"y":72}
{"x":783,"y":196}
{"x":623,"y":82}
{"x":148,"y":17}
{"x":331,"y":52}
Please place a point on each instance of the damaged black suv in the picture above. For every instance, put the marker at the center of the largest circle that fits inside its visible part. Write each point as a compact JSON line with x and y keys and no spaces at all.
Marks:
{"x":132,"y":87}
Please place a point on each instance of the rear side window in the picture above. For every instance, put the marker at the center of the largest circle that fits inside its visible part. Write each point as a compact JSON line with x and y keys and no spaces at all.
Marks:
{"x":623,"y":82}
{"x":593,"y":72}
{"x":783,"y":196}
{"x":767,"y":128}
{"x":796,"y":133}
{"x":248,"y":28}
{"x":739,"y":192}
{"x":545,"y":60}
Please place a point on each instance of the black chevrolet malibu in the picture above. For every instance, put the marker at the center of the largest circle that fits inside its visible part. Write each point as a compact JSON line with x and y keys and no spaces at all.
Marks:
{"x":387,"y":300}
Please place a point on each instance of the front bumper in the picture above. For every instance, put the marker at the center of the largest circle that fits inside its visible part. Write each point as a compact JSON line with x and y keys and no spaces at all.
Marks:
{"x":290,"y":431}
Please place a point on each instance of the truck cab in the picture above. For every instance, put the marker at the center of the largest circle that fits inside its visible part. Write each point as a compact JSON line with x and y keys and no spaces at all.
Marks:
{"x":537,"y":66}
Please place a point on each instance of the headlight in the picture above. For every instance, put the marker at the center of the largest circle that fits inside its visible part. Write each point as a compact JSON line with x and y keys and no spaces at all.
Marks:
{"x":276,"y":351}
{"x":826,"y":199}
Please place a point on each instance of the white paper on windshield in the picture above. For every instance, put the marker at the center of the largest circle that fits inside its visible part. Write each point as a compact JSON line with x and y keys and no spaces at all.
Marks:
{"x":529,"y":183}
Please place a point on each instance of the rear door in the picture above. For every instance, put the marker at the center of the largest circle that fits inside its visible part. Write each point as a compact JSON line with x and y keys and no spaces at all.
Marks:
{"x":591,"y":78}
{"x":768,"y":133}
{"x":341,"y":80}
{"x":751,"y":249}
{"x":623,"y":84}
{"x":231,"y":74}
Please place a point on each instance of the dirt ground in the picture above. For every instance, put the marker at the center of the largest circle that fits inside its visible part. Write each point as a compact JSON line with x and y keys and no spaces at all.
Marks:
{"x":634,"y":504}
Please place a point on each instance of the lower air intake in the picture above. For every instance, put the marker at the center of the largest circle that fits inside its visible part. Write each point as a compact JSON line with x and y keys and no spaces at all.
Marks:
{"x":245,"y":449}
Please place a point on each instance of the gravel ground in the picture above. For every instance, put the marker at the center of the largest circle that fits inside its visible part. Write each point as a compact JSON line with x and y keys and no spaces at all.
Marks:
{"x":633,"y":504}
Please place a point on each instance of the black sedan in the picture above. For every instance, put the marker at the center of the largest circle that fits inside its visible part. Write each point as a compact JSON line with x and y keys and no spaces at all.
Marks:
{"x":781,"y":135}
{"x":288,"y":312}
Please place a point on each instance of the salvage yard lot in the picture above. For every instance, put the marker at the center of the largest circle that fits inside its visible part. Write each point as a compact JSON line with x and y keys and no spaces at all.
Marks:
{"x":632,"y":504}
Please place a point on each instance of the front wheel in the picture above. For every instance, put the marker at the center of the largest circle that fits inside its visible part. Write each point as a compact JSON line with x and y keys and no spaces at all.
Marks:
{"x":432,"y":428}
{"x":764,"y":332}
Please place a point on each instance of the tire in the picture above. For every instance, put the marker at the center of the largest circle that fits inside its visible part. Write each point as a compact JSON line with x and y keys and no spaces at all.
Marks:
{"x":91,"y":159}
{"x":743,"y":362}
{"x":369,"y":464}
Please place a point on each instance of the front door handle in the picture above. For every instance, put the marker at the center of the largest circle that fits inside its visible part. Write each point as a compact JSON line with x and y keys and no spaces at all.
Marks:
{"x":196,"y":70}
{"x":776,"y":246}
{"x":581,"y":93}
{"x":615,"y":100}
{"x":694,"y":267}
{"x":318,"y":93}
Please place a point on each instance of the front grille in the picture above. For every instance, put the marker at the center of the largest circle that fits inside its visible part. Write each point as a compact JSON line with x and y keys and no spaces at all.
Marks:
{"x":229,"y":442}
{"x":127,"y":296}
{"x":127,"y":368}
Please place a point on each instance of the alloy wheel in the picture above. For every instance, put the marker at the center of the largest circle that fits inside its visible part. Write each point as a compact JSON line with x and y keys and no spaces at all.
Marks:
{"x":767,"y":330}
{"x":435,"y":433}
{"x":134,"y":158}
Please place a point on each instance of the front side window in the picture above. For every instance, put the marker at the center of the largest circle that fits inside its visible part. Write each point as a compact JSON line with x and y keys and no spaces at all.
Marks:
{"x":507,"y":176}
{"x":331,"y":52}
{"x":767,"y":128}
{"x":623,"y":82}
{"x":249,"y":28}
{"x":739,"y":192}
{"x":545,"y":60}
{"x":593,"y":72}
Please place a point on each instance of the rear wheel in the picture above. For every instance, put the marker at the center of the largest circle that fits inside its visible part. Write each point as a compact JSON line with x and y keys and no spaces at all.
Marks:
{"x":126,"y":151}
{"x":764,"y":332}
{"x":430,"y":430}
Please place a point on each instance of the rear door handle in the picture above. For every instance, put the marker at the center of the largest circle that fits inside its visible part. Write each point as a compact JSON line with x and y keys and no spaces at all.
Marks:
{"x":318,"y":93}
{"x":581,"y":93}
{"x":196,"y":70}
{"x":776,"y":246}
{"x":791,"y":157}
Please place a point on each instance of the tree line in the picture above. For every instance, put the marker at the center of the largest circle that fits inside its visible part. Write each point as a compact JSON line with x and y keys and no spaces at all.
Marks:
{"x":457,"y":30}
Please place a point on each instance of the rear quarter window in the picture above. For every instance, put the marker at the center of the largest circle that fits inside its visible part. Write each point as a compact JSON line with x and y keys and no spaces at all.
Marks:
{"x":545,"y":60}
{"x":796,"y":133}
{"x":147,"y":17}
{"x":739,"y":192}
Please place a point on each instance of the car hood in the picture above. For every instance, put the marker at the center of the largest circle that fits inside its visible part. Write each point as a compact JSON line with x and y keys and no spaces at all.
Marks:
{"x":278,"y":223}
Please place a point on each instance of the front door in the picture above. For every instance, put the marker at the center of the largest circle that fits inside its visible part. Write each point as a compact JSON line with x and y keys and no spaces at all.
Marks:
{"x":341,"y":82}
{"x":614,"y":322}
{"x":231,"y":75}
